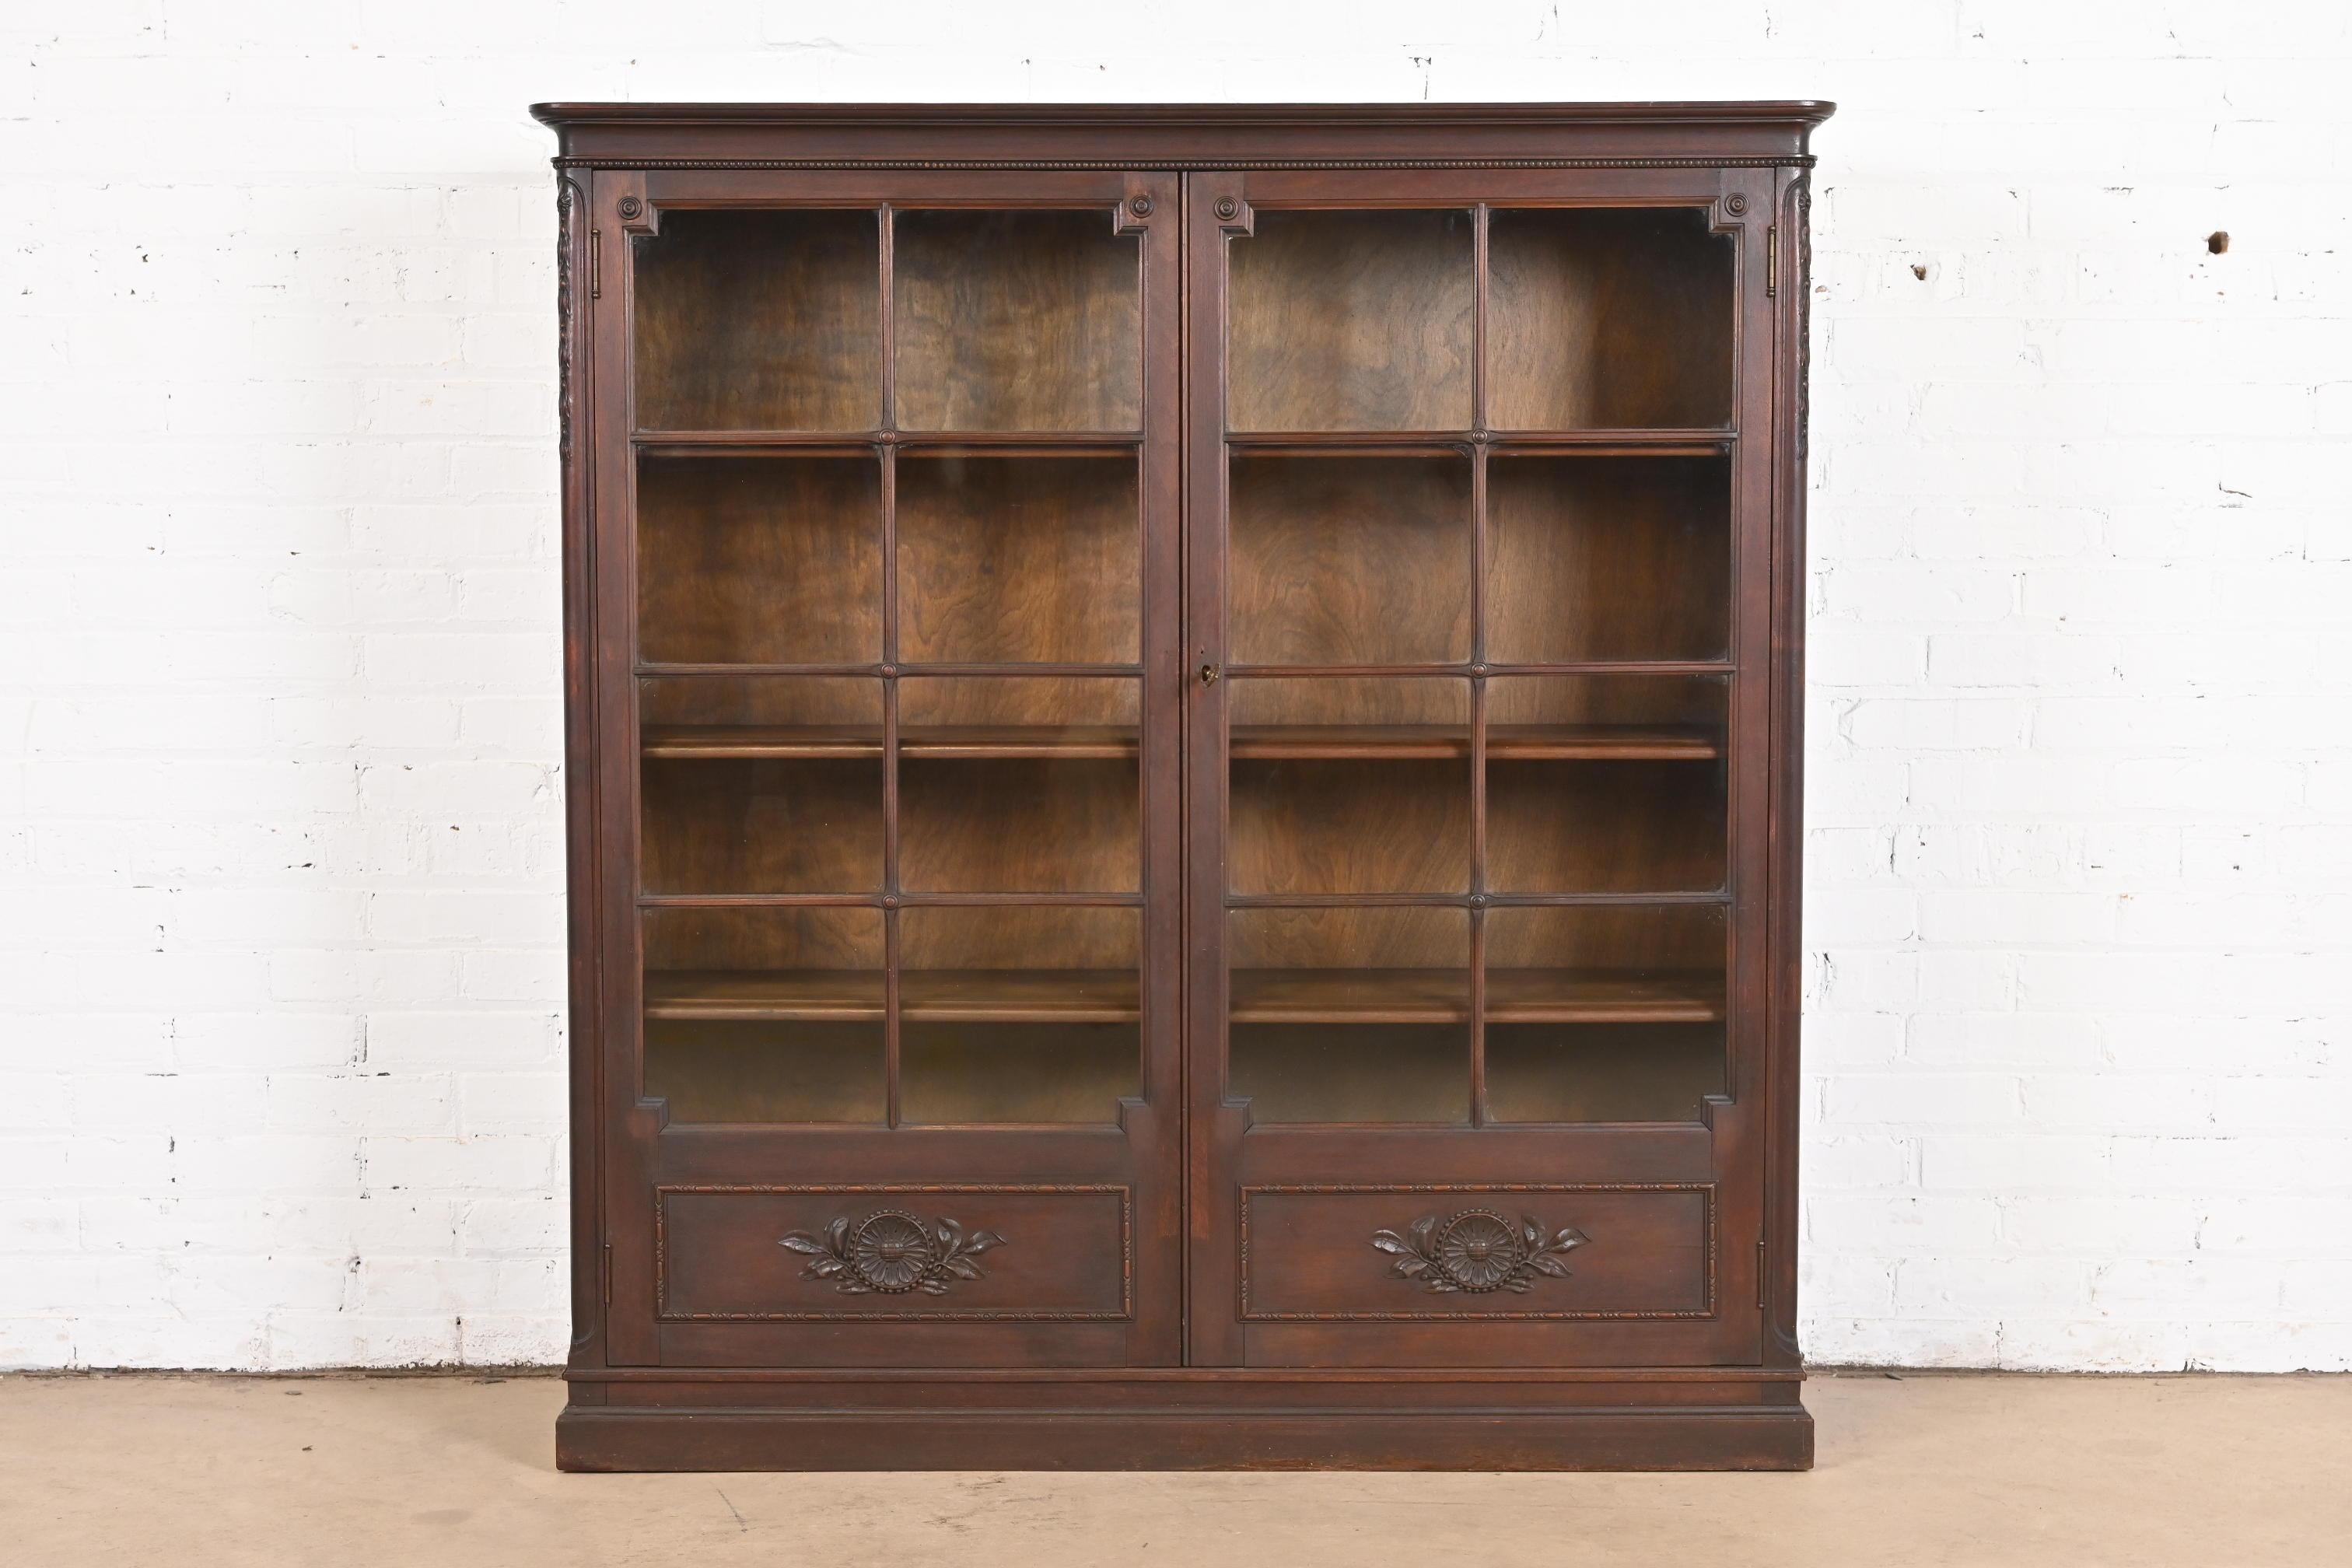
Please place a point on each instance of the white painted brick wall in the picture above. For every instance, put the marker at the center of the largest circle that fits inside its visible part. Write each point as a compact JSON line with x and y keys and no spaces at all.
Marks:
{"x":280,"y":876}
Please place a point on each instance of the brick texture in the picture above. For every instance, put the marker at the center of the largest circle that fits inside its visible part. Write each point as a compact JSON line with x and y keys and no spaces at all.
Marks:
{"x":281,"y":1022}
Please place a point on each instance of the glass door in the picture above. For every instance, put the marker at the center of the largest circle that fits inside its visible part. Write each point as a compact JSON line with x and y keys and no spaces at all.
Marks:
{"x":898,"y":558}
{"x":1470,"y":864}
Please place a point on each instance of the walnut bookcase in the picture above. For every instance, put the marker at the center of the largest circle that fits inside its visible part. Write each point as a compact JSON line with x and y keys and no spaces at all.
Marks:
{"x":1183,"y":740}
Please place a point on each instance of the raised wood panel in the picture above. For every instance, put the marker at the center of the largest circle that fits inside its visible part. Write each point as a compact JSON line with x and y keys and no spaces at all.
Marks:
{"x":1055,"y":1253}
{"x":1310,"y":1254}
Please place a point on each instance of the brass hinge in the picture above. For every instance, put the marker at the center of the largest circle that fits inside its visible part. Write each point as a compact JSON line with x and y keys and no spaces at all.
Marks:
{"x":1771,"y":260}
{"x":608,"y":1274}
{"x":1759,"y":1276}
{"x":595,"y":264}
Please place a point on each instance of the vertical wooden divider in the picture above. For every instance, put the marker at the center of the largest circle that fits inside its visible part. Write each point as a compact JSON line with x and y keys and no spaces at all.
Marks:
{"x":1478,"y":450}
{"x":887,"y":447}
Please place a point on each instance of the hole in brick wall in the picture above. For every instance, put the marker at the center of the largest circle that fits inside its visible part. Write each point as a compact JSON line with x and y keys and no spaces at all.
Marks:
{"x":2218,"y":241}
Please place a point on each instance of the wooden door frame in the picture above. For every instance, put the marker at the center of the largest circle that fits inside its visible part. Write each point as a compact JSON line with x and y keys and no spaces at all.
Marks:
{"x":1740,"y":202}
{"x":635,"y":1154}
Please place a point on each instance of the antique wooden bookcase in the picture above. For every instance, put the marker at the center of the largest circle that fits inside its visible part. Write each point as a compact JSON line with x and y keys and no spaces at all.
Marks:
{"x":1183,"y":756}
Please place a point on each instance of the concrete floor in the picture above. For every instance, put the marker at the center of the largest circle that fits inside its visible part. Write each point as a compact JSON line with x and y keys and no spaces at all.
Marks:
{"x":2213,"y":1471}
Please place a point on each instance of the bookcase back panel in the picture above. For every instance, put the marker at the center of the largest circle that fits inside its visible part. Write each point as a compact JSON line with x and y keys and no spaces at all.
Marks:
{"x":1609,"y":320}
{"x":1351,"y":321}
{"x":1019,"y":560}
{"x":1017,"y":320}
{"x":760,"y":321}
{"x":759,"y":560}
{"x":1304,"y":527}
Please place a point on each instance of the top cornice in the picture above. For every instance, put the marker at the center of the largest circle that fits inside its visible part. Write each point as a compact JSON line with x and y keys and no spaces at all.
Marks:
{"x":1178,"y":136}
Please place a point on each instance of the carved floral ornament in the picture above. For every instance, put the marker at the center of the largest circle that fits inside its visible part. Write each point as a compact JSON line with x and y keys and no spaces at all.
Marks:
{"x":892,"y":1252}
{"x":1478,"y":1250}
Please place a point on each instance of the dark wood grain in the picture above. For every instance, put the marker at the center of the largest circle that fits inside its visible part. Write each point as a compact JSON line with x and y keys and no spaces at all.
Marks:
{"x":1605,"y":826}
{"x":1350,"y":560}
{"x":759,"y":321}
{"x":1640,"y":1070}
{"x":759,"y":559}
{"x":1019,"y":560}
{"x":1635,"y":431}
{"x":761,"y":826}
{"x":1351,"y":321}
{"x":1018,"y":321}
{"x":1019,"y":825}
{"x":1608,"y":558}
{"x":1324,"y":826}
{"x":1443,"y":996}
{"x":765,"y":1074}
{"x":1609,"y":320}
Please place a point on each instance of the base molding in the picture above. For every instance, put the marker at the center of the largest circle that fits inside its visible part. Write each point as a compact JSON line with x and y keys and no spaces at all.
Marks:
{"x":1497,"y":1433}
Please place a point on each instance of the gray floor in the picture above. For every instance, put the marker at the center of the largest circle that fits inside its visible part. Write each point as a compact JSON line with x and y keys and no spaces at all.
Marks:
{"x":2213,"y":1471}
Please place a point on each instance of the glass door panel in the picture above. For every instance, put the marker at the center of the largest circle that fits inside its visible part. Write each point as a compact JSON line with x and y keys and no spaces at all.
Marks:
{"x":1351,"y":1014}
{"x":1622,"y":558}
{"x":1033,"y":559}
{"x":759,"y":321}
{"x":1303,"y":527}
{"x":1351,"y":321}
{"x":1472,"y":584}
{"x":1023,"y":1015}
{"x":1018,"y":321}
{"x":765,"y":1014}
{"x":1608,"y":319}
{"x":890,"y":583}
{"x":1604,"y":1014}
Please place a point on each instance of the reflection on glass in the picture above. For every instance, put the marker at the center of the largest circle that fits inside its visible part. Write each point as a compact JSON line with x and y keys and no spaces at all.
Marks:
{"x":1351,"y":1014}
{"x":1018,"y":321}
{"x":764,"y":1016}
{"x":1019,"y":1014}
{"x":1351,"y":321}
{"x":1609,"y":320}
{"x":759,"y":559}
{"x":1019,"y":560}
{"x":1608,"y":558}
{"x":1604,"y":1014}
{"x":760,"y":321}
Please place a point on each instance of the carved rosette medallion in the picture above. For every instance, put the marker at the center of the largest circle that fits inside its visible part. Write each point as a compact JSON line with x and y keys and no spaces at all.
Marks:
{"x":1477,"y":1251}
{"x":890,"y":1252}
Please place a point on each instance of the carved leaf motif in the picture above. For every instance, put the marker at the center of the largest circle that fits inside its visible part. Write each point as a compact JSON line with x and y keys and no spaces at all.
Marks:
{"x":1477,"y":1251}
{"x":889,"y":1253}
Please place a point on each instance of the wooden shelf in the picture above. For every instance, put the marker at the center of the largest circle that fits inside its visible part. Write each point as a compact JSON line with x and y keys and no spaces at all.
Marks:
{"x":1259,"y":995}
{"x":705,"y":741}
{"x":1647,"y":443}
{"x":925,"y":996}
{"x":1505,"y":743}
{"x":1443,"y":997}
{"x":924,"y":443}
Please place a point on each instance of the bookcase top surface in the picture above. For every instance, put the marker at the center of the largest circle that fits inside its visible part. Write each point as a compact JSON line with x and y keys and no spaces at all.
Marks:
{"x":1174,"y":135}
